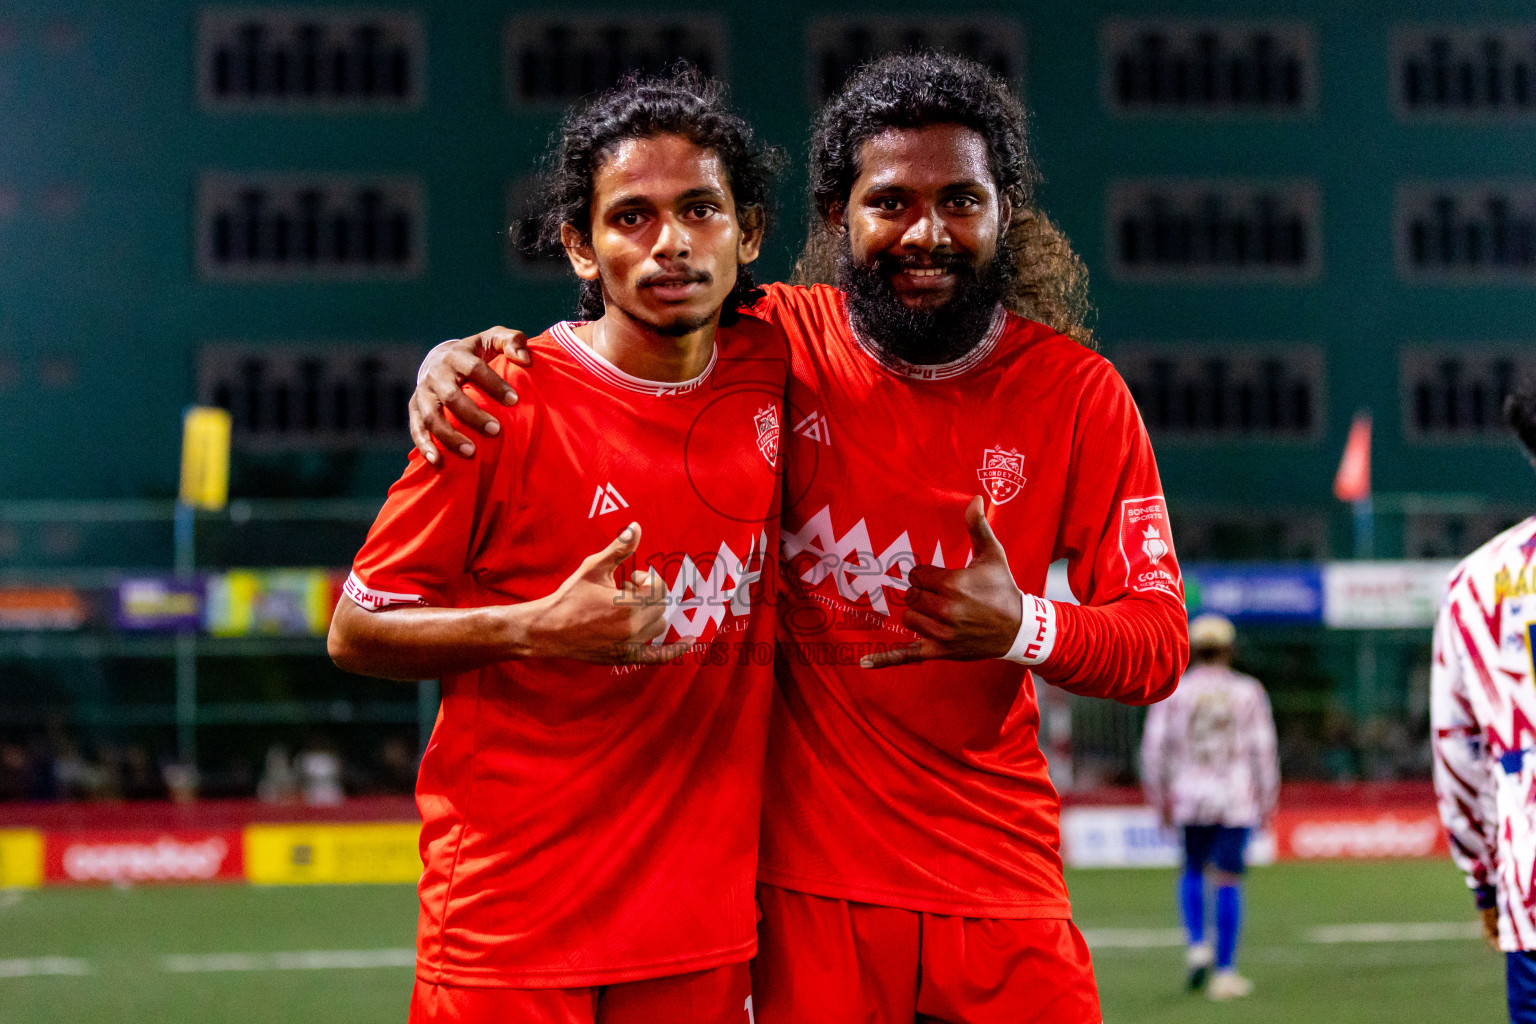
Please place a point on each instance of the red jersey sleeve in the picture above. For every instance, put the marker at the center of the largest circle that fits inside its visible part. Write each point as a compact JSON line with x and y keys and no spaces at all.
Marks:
{"x":420,"y":547}
{"x":1129,"y":639}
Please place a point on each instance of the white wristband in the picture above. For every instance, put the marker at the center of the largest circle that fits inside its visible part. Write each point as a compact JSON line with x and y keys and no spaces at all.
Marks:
{"x":1037,"y":632}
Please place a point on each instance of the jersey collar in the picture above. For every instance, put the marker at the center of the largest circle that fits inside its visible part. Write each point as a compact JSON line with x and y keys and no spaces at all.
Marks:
{"x":931,"y":371}
{"x":608,"y":373}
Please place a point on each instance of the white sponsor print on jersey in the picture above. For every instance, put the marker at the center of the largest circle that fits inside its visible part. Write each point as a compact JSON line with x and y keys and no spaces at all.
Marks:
{"x":695,"y":601}
{"x":1002,"y":474}
{"x":815,"y":427}
{"x":606,"y":499}
{"x":767,"y":423}
{"x":851,"y":560}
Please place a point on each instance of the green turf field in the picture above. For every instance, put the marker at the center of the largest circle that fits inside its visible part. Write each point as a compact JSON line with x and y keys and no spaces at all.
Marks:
{"x":1299,"y":979}
{"x":227,"y":954}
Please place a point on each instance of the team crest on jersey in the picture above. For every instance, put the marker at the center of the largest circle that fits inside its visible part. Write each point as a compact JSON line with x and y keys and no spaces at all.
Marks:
{"x":767,"y":421}
{"x":1002,"y":474}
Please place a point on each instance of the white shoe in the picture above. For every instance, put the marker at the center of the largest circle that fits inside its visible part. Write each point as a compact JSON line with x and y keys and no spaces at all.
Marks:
{"x":1228,"y":984}
{"x":1197,"y":961}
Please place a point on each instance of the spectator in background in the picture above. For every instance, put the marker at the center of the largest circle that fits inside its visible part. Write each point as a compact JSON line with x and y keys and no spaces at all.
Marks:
{"x":42,"y":783}
{"x":279,"y":784}
{"x":396,"y":768}
{"x":1209,"y":767}
{"x":1341,"y":755}
{"x":140,"y":779}
{"x":15,"y":772}
{"x":319,"y":770}
{"x":181,"y":782}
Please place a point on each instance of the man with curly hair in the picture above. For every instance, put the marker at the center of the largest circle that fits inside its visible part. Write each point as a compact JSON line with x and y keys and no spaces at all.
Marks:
{"x":590,"y":795}
{"x":951,"y":433}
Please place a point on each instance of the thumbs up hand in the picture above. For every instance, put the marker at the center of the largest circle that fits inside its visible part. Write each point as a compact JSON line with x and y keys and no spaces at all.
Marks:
{"x":961,"y":614}
{"x":596,"y":615}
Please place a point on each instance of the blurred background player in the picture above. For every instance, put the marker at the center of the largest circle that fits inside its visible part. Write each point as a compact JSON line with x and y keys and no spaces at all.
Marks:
{"x":1210,"y":769}
{"x":1482,"y":706}
{"x":910,"y":834}
{"x":590,"y":811}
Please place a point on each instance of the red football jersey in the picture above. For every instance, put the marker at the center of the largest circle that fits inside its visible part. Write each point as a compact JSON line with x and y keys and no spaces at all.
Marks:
{"x":587,"y":824}
{"x":923,"y":786}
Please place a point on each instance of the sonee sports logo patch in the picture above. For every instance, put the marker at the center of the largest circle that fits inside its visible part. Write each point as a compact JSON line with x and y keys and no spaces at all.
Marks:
{"x":1002,"y":474}
{"x":1146,"y":544}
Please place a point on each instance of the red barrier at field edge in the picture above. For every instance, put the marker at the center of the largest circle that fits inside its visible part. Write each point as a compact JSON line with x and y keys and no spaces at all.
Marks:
{"x":366,"y":839}
{"x":234,"y":840}
{"x":201,"y":814}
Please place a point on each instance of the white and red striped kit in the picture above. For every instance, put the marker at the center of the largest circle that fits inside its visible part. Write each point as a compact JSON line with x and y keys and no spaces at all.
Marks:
{"x":1208,"y":751}
{"x":1482,"y":704}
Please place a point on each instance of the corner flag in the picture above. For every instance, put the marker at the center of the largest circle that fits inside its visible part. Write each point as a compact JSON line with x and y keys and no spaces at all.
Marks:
{"x":1353,"y":480}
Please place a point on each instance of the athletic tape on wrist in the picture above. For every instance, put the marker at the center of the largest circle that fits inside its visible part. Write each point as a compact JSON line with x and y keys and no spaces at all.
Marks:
{"x":1037,"y":632}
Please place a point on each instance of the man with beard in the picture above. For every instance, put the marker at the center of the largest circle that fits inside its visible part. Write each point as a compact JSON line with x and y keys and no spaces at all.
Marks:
{"x":909,"y":867}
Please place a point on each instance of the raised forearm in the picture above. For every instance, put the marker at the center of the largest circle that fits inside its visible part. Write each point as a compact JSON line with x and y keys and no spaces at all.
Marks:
{"x":1132,"y":651}
{"x":427,"y":643}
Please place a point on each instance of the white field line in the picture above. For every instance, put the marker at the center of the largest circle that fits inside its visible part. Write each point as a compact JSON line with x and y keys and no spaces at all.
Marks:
{"x":362,"y":959}
{"x":314,"y":960}
{"x":44,"y":965}
{"x":1432,"y":932}
{"x":1160,"y":938}
{"x":1133,"y":938}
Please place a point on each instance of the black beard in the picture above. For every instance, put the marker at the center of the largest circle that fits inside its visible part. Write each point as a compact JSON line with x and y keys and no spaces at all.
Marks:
{"x":923,"y":337}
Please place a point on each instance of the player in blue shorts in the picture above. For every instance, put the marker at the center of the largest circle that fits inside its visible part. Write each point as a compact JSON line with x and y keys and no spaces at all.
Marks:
{"x":1209,"y":767}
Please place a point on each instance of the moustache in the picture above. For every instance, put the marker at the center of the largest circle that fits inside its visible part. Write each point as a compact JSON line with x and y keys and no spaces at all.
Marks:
{"x":666,"y":277}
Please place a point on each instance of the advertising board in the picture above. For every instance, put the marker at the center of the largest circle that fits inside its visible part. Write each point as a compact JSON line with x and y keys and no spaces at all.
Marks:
{"x":143,"y":855}
{"x":301,"y":854}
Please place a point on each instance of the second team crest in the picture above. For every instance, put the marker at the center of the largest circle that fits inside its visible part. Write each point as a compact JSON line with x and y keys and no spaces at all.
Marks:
{"x":1002,"y":474}
{"x":767,"y":421}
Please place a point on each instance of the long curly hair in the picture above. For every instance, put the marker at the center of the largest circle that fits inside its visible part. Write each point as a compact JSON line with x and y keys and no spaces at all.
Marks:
{"x":915,"y":90}
{"x":681,"y":102}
